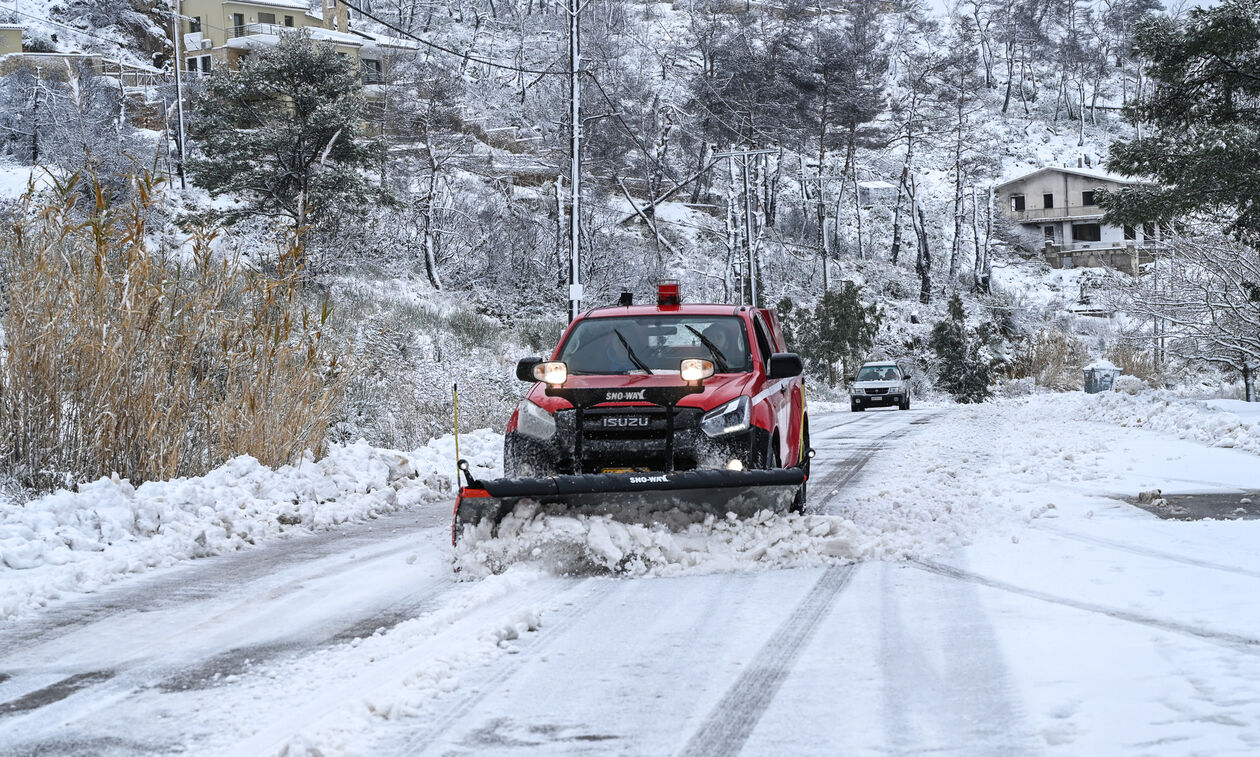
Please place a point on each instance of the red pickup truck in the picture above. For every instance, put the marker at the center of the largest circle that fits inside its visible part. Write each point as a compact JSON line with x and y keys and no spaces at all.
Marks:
{"x":703,"y":401}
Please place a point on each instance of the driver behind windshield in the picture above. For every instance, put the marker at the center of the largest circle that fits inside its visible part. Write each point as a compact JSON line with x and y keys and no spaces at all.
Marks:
{"x":654,"y":345}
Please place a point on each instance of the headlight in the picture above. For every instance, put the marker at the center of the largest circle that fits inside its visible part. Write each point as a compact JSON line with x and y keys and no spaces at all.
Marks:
{"x":727,"y":419}
{"x":532,"y":420}
{"x":554,"y":373}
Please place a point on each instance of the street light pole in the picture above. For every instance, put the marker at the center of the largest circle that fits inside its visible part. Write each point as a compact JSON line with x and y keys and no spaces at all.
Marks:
{"x":575,"y":159}
{"x":179,"y":91}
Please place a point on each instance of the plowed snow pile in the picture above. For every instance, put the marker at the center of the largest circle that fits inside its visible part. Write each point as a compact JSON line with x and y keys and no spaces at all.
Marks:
{"x":583,"y":544}
{"x":78,"y":541}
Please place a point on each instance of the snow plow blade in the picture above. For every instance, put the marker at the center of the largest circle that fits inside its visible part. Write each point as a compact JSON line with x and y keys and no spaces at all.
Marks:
{"x":631,"y":497}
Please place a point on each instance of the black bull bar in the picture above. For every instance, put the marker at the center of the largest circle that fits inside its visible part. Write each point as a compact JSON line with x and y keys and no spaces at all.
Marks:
{"x":638,"y":497}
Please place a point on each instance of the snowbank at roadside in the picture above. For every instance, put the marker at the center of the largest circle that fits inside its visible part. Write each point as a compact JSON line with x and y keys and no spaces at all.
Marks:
{"x":1219,"y":423}
{"x":78,"y":541}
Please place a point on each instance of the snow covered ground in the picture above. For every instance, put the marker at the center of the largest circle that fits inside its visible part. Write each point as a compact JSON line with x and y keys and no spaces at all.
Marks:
{"x":969,"y":581}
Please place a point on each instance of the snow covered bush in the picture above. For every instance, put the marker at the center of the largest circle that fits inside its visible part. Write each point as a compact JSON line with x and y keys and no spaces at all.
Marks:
{"x":121,"y":358}
{"x":1129,"y":384}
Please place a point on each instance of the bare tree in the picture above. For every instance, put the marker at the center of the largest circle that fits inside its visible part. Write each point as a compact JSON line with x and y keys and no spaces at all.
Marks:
{"x":1204,"y":302}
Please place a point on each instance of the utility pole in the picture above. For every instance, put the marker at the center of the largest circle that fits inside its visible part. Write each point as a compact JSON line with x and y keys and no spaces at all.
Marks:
{"x":745,"y":156}
{"x":39,"y":82}
{"x":575,"y":158}
{"x":179,"y":92}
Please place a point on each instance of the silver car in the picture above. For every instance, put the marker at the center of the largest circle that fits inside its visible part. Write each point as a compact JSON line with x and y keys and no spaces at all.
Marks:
{"x":880,"y":384}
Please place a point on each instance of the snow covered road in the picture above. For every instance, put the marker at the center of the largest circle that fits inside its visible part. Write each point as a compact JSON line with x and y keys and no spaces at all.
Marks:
{"x":968,"y":584}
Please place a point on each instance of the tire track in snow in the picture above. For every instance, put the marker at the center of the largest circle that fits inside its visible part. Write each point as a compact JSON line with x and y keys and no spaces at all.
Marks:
{"x":733,"y":719}
{"x":391,"y":672}
{"x":1148,"y":552}
{"x":1234,"y":641}
{"x":201,"y":579}
{"x":555,"y":622}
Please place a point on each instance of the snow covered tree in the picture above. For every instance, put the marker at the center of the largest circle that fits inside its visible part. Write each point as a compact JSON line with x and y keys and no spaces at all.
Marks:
{"x":840,"y":330}
{"x":286,"y":130}
{"x":1205,"y":149}
{"x":960,"y":368}
{"x":1205,"y":301}
{"x":68,"y":116}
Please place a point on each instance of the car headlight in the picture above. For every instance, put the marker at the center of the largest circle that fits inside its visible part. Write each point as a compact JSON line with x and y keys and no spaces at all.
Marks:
{"x":532,"y":420}
{"x":727,"y":419}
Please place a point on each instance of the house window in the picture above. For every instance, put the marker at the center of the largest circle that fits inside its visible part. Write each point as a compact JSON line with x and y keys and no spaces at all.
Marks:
{"x":238,"y":24}
{"x":372,"y":71}
{"x":1130,"y":233}
{"x":1087,"y":198}
{"x":205,"y":64}
{"x":1047,"y":201}
{"x":194,"y":26}
{"x":1017,"y":203}
{"x":288,"y":21}
{"x":267,"y":18}
{"x":192,"y":64}
{"x":1086,"y":232}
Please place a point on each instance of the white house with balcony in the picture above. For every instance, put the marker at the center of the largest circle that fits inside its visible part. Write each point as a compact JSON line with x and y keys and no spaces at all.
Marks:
{"x":218,"y":33}
{"x":1058,"y":205}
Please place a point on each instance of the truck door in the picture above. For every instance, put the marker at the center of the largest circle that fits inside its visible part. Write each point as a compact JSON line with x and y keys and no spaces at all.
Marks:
{"x":776,"y":393}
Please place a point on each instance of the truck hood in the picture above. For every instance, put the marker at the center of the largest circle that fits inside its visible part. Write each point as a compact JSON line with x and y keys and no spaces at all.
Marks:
{"x":718,"y":389}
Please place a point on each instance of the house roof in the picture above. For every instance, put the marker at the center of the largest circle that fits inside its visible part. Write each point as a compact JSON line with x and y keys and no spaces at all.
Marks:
{"x":297,"y":5}
{"x":256,"y":41}
{"x":12,"y":27}
{"x":1089,"y":173}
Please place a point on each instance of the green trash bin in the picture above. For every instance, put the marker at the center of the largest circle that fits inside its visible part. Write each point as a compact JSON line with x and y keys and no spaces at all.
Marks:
{"x":1100,"y":376}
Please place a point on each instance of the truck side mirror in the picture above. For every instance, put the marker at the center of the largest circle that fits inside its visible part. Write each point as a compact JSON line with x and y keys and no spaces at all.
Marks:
{"x":525,"y":368}
{"x":784,"y":365}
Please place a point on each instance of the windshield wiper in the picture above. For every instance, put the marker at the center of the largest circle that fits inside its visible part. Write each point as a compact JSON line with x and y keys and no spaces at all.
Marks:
{"x":630,"y":353}
{"x":712,"y":348}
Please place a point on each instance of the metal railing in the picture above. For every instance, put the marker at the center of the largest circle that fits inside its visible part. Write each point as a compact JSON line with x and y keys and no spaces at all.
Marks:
{"x":249,"y":30}
{"x":1042,"y":214}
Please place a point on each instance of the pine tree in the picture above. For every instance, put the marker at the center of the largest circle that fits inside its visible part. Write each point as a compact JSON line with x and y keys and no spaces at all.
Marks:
{"x":840,"y":330}
{"x":1205,"y":149}
{"x":285,"y":129}
{"x":961,"y":370}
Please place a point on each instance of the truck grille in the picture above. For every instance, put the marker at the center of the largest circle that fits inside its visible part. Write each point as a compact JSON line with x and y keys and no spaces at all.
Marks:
{"x":881,"y":390}
{"x":633,"y":437}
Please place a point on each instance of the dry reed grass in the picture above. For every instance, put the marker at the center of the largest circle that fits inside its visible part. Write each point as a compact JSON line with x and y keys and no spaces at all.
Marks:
{"x":1054,"y":359}
{"x":1135,"y":359}
{"x":120,"y":359}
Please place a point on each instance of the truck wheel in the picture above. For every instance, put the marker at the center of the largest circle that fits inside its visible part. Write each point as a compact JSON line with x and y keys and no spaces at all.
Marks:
{"x":798,"y":503}
{"x":905,"y":404}
{"x":855,"y":408}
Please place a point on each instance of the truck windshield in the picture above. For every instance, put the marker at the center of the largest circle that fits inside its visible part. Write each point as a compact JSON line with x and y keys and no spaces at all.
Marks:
{"x":656,"y":344}
{"x":879,"y":373}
